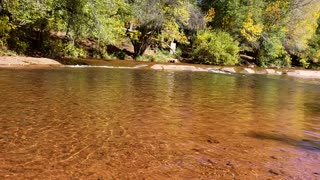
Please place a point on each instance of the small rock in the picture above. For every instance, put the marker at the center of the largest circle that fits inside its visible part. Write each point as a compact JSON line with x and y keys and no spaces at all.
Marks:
{"x":275,"y":172}
{"x":140,"y":66}
{"x":229,"y":69}
{"x":229,"y":164}
{"x":200,"y":70}
{"x":206,"y":161}
{"x":213,"y":141}
{"x":261,"y":72}
{"x":273,"y":72}
{"x":196,"y":149}
{"x":273,"y":157}
{"x":173,"y":61}
{"x":248,"y":71}
{"x":157,"y":67}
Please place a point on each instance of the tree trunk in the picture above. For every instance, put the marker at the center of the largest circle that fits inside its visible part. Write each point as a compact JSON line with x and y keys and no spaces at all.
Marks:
{"x":144,"y":41}
{"x":139,"y":48}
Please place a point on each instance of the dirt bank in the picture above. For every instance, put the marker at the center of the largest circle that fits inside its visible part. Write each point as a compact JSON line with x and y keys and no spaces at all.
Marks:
{"x":20,"y":61}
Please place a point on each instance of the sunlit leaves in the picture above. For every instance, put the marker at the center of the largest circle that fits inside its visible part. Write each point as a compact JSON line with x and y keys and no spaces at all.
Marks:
{"x":303,"y":24}
{"x":210,"y":15}
{"x":27,"y":11}
{"x":216,"y":47}
{"x":250,"y":30}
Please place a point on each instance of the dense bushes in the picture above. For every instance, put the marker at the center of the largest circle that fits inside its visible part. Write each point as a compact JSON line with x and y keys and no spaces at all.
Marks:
{"x":217,"y":48}
{"x":273,"y":54}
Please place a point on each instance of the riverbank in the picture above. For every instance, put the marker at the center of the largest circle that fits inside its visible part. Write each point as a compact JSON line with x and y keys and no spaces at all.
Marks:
{"x":125,"y":64}
{"x":311,"y":74}
{"x":27,"y":62}
{"x":32,"y":62}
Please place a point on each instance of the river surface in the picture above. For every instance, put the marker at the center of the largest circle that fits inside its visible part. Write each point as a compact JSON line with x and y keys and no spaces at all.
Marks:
{"x":92,"y":123}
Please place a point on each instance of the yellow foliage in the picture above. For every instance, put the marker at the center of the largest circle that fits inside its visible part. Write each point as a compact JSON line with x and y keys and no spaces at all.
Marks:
{"x":317,"y":57}
{"x":171,"y":31}
{"x":250,"y":30}
{"x":210,"y":15}
{"x":274,"y":11}
{"x":316,"y":15}
{"x":303,"y":25}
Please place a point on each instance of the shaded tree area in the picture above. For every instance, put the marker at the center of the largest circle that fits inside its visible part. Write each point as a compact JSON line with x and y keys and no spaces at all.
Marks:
{"x":59,"y":27}
{"x":268,"y":33}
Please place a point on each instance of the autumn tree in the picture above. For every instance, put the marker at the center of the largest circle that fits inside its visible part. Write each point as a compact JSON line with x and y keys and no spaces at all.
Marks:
{"x":302,"y":24}
{"x":158,"y":21}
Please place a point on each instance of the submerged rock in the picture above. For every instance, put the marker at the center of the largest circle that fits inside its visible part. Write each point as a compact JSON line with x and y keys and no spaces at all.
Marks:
{"x":273,"y":72}
{"x":157,"y":67}
{"x":140,"y":66}
{"x":176,"y":67}
{"x":229,"y":69}
{"x":275,"y":172}
{"x":248,"y":71}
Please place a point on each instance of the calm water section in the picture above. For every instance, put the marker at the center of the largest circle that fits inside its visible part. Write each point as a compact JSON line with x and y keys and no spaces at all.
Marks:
{"x":134,"y":124}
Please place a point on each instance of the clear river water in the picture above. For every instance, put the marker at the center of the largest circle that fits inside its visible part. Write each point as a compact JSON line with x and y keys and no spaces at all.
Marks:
{"x":95,"y":123}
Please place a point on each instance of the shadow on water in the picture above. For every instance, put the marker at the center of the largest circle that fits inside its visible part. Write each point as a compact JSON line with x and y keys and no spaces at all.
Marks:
{"x":309,"y":144}
{"x":312,"y":107}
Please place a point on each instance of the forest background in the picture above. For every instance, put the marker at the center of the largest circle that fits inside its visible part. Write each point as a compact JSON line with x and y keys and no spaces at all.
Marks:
{"x":268,"y":33}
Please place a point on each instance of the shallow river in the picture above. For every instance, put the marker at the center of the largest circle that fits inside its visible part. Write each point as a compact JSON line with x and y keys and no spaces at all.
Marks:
{"x":141,"y":124}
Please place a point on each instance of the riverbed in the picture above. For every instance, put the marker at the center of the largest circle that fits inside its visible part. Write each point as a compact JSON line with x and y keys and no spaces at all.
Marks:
{"x":112,"y":123}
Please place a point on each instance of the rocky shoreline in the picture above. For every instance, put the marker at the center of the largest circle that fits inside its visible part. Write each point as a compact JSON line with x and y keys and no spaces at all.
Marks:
{"x":312,"y":74}
{"x":32,"y":62}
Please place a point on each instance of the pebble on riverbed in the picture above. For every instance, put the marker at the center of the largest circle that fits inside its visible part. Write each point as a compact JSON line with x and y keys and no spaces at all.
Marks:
{"x":213,"y":141}
{"x":276,"y":172}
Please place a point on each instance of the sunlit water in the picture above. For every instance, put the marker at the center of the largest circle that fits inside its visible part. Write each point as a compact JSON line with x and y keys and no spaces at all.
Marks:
{"x":140,"y":124}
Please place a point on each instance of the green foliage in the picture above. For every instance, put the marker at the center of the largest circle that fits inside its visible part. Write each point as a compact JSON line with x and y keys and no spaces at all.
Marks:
{"x":273,"y":54}
{"x":5,"y":29}
{"x":70,"y":51}
{"x":216,"y":47}
{"x":61,"y":49}
{"x":18,"y":45}
{"x":160,"y":56}
{"x":33,"y":22}
{"x":119,"y":55}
